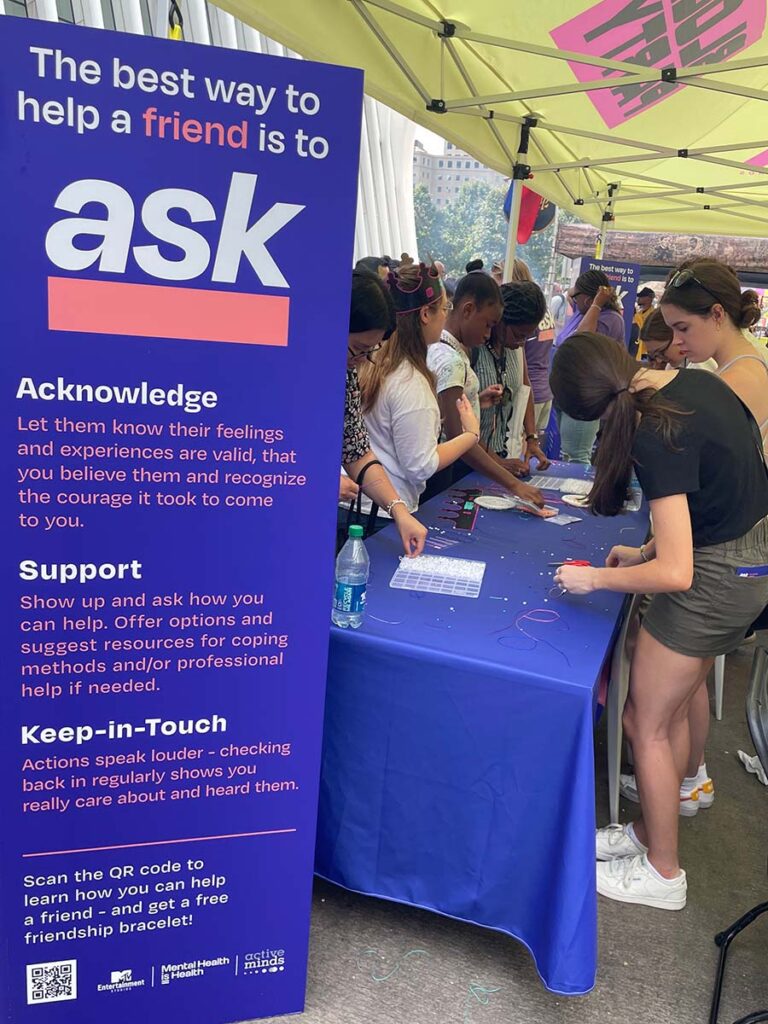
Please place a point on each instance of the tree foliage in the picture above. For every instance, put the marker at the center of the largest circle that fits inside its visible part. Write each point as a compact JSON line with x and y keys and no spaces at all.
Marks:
{"x":472,"y":226}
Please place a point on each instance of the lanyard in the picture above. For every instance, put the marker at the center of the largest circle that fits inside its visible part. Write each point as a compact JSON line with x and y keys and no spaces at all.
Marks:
{"x":499,"y":362}
{"x":500,"y":365}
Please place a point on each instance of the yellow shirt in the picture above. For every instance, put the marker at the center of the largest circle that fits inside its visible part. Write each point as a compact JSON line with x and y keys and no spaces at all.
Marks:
{"x":639,"y":318}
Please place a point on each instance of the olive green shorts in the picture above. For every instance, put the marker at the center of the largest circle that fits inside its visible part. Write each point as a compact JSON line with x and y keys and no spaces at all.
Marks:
{"x":712,"y":617}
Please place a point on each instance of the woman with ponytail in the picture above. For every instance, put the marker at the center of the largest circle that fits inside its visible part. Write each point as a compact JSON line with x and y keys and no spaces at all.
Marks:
{"x":400,"y":405}
{"x":696,"y":451}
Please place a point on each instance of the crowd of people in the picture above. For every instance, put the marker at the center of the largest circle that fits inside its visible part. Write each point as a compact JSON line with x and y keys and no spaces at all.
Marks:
{"x":445,"y":377}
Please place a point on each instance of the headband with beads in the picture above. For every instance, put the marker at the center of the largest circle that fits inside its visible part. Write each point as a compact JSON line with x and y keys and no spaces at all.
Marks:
{"x":410,"y":297}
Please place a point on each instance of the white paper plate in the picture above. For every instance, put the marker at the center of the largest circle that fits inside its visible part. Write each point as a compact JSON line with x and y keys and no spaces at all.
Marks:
{"x":577,"y":500}
{"x":495,"y":501}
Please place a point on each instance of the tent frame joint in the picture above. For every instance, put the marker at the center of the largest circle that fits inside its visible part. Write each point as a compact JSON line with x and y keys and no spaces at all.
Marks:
{"x":683,"y":154}
{"x":447,"y":29}
{"x":436,"y":106}
{"x":521,"y":172}
{"x":669,"y":74}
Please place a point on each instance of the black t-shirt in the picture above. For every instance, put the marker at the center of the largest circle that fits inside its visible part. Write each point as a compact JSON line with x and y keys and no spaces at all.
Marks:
{"x":716,"y":460}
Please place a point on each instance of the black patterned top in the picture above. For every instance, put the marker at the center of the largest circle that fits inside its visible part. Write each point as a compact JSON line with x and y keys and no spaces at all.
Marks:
{"x":356,"y":440}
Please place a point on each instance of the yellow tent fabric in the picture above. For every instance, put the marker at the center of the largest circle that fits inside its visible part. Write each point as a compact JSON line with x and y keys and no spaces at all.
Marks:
{"x":671,"y":106}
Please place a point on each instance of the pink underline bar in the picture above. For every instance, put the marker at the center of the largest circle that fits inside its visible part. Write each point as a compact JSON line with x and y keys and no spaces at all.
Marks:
{"x":162,"y":842}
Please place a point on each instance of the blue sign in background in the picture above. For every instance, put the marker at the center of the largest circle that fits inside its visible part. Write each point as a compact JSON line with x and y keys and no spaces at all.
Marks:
{"x":625,"y":278}
{"x":177,"y":950}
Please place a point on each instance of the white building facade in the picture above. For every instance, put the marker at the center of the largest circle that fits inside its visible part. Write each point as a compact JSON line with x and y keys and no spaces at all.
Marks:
{"x":444,"y":174}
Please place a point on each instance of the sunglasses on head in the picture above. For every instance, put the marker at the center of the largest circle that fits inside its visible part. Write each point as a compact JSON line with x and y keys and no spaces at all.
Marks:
{"x":684,"y":277}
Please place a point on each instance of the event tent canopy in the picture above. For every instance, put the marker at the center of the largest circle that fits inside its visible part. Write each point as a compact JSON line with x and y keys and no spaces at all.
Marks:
{"x":645,"y":113}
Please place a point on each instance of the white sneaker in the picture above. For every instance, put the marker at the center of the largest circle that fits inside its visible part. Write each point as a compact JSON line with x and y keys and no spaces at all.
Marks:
{"x":632,"y":880}
{"x":690,"y":800}
{"x":753,"y":765}
{"x":616,"y":841}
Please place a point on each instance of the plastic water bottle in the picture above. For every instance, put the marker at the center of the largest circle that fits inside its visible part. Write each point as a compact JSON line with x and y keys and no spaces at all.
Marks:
{"x":352,"y":567}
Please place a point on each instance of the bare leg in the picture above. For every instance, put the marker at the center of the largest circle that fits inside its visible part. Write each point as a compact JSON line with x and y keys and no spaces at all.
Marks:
{"x":661,"y":686}
{"x":698,"y":723}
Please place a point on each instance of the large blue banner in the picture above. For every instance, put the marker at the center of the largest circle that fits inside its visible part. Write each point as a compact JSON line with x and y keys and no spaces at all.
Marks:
{"x":176,"y":253}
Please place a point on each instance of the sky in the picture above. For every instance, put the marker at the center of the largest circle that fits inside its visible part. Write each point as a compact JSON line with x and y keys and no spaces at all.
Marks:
{"x":430,"y":141}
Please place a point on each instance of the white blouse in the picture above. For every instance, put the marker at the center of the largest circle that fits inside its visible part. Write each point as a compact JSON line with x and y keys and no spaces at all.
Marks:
{"x":404,"y":427}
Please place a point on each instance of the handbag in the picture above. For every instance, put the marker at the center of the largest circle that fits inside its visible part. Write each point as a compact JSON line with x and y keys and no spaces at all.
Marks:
{"x":355,"y":515}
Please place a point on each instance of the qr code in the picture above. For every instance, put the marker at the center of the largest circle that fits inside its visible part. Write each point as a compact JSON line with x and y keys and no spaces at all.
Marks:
{"x":51,"y":983}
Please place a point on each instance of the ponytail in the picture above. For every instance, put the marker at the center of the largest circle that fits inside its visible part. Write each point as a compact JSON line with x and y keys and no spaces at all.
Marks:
{"x":593,"y":378}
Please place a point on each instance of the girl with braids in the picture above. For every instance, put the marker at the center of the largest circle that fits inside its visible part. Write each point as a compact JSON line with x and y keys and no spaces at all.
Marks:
{"x":595,"y":308}
{"x":502,"y":361}
{"x":398,"y":390}
{"x":708,"y":317}
{"x":696,"y":451}
{"x":538,"y":346}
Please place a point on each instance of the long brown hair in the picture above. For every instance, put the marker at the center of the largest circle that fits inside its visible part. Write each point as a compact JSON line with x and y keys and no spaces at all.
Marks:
{"x":591,"y":379}
{"x":406,"y":345}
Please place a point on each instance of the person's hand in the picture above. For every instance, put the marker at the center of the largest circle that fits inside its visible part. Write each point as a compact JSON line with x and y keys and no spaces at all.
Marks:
{"x":517,"y":467}
{"x":348,"y":489}
{"x":576,"y":579}
{"x":491,"y":396}
{"x":412,"y":533}
{"x":621,"y":556}
{"x":604,"y":295}
{"x":467,"y":416}
{"x":528,"y":493}
{"x":533,"y":451}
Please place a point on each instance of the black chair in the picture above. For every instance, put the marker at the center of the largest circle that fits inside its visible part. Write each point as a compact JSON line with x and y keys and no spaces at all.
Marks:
{"x":757,"y":719}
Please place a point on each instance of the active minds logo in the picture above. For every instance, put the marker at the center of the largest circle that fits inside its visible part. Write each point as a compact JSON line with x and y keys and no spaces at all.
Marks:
{"x":656,"y":34}
{"x":109,"y":306}
{"x":120,"y":981}
{"x":266,"y":961}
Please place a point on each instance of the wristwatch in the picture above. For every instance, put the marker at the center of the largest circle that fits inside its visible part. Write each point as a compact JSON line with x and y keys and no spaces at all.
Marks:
{"x":531,"y":437}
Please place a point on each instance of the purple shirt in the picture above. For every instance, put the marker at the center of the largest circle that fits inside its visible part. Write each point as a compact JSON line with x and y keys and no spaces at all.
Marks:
{"x":609,"y":323}
{"x":537,"y":356}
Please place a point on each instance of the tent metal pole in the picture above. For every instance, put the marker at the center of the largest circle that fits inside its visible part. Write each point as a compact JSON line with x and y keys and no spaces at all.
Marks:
{"x":514,"y":221}
{"x":520,"y":173}
{"x":570,"y":165}
{"x":566,"y":89}
{"x":460,"y":31}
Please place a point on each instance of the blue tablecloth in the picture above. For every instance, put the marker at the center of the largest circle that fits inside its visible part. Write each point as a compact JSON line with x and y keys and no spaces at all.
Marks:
{"x":458,"y":754}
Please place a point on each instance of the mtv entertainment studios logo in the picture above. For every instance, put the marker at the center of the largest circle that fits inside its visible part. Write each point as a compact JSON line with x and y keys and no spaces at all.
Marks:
{"x":121,"y":981}
{"x":266,"y":961}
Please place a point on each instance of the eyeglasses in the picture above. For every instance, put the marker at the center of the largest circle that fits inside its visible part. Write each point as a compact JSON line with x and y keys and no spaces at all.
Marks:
{"x":368,"y":353}
{"x":659,"y":354}
{"x":684,"y":277}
